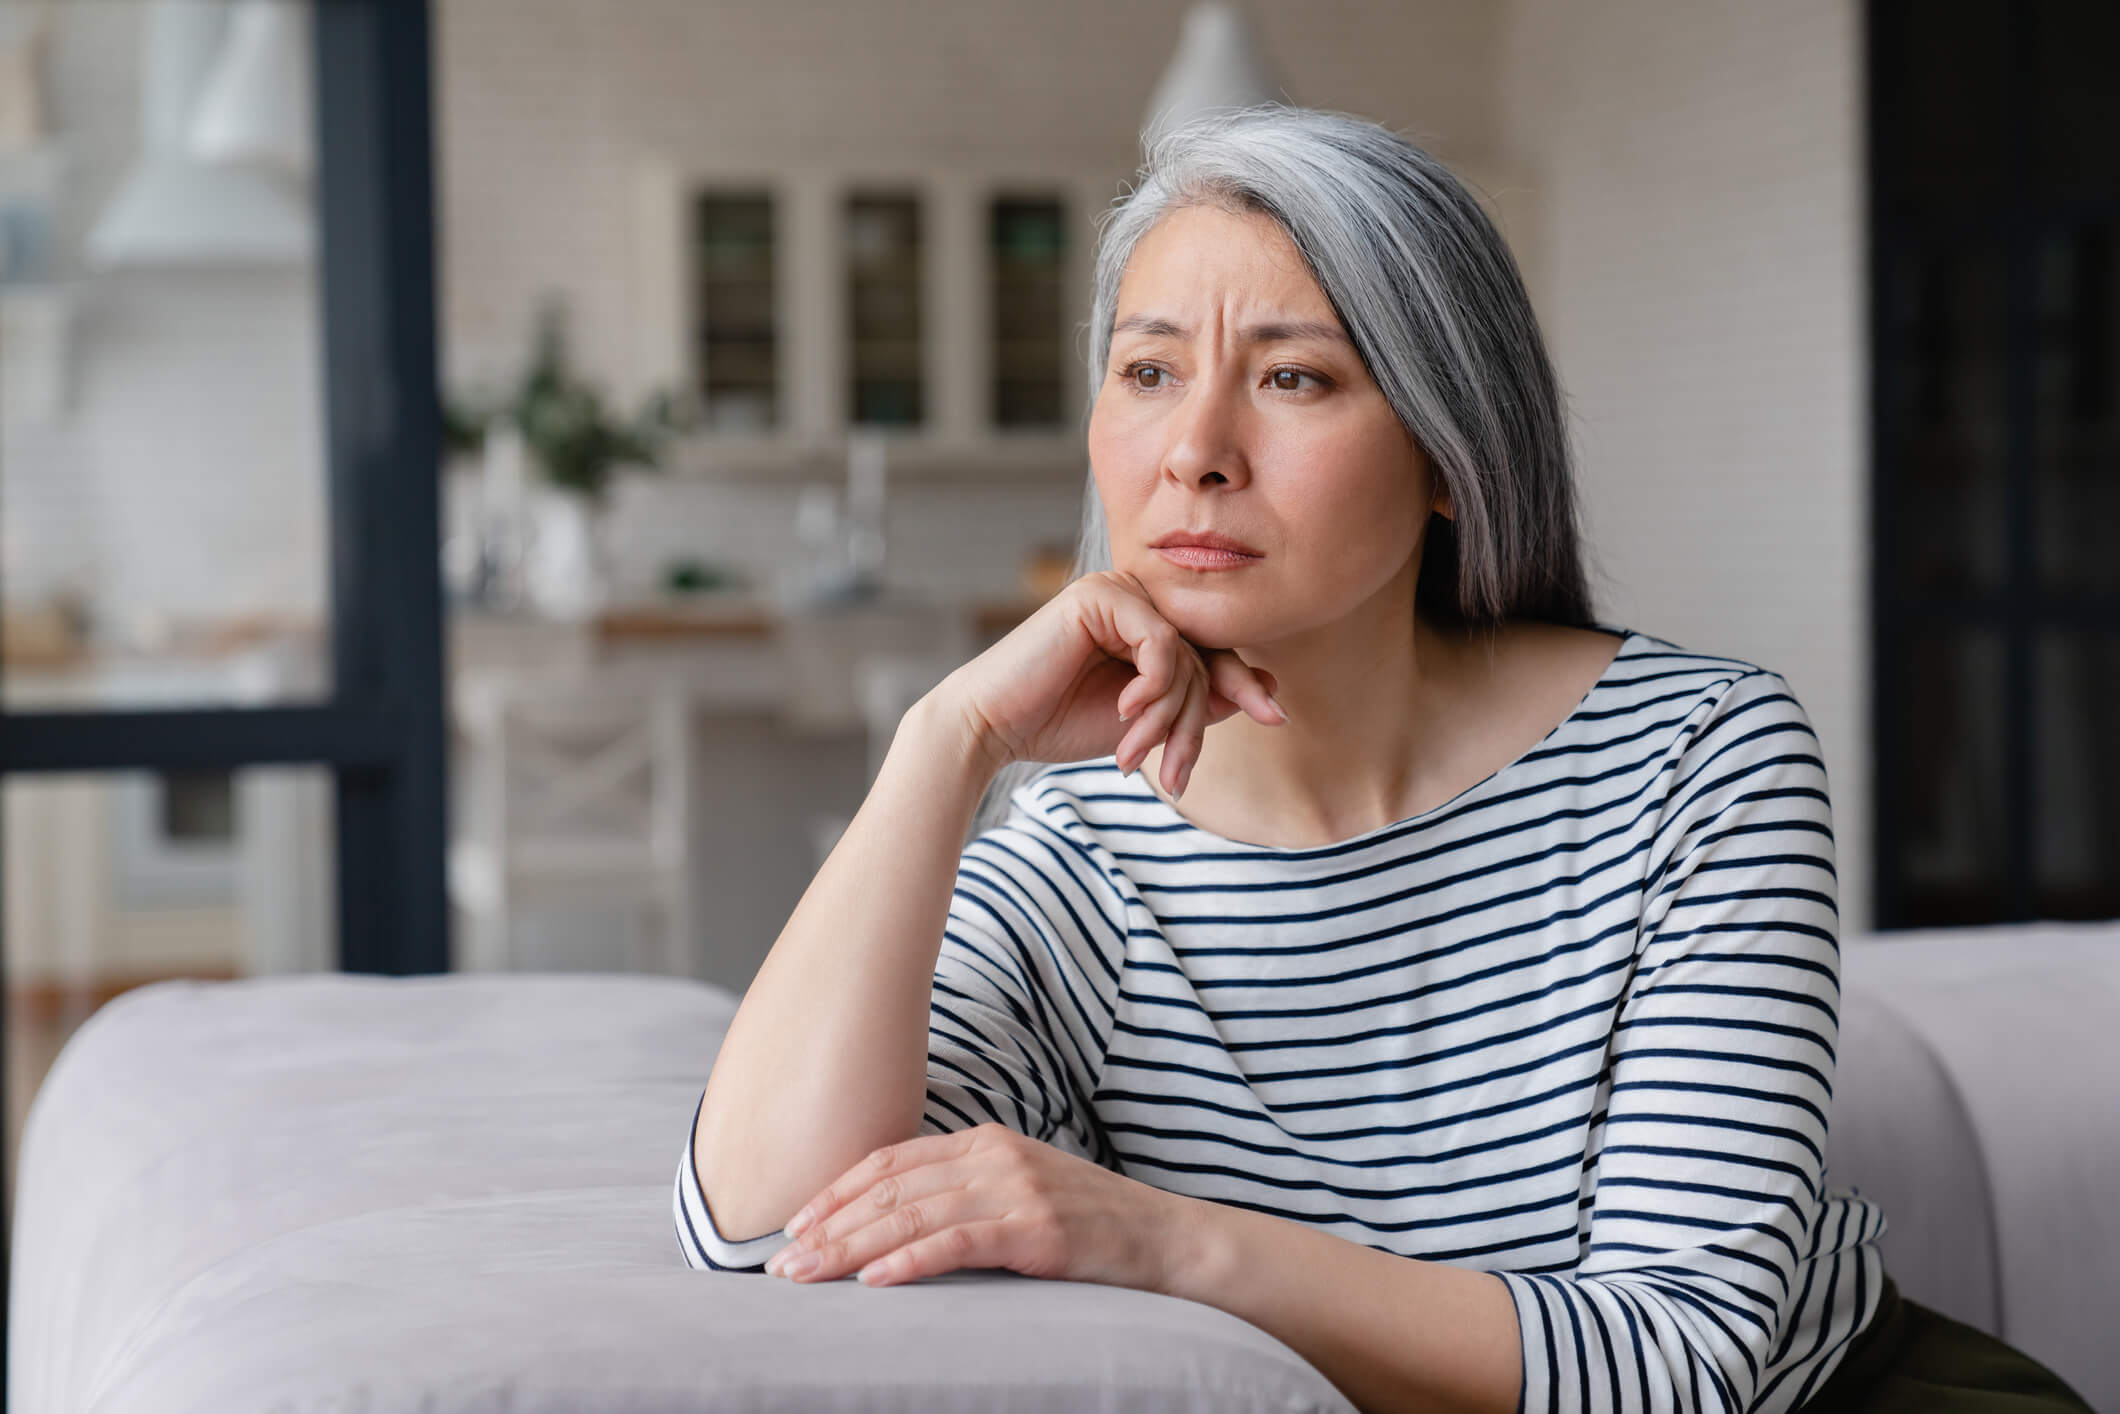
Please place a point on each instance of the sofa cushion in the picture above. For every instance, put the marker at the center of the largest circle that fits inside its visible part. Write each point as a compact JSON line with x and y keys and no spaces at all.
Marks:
{"x":1980,"y":1068}
{"x":453,"y":1193}
{"x":1900,"y":1133}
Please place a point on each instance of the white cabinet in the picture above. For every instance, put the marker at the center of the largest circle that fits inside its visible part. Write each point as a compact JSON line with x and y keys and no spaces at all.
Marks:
{"x":940,"y":307}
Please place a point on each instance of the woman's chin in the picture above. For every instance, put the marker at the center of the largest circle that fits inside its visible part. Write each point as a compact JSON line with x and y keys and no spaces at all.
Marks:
{"x":1210,"y":615}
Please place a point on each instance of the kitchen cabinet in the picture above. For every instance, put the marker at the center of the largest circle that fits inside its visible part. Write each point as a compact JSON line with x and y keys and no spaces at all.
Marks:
{"x":935,"y":305}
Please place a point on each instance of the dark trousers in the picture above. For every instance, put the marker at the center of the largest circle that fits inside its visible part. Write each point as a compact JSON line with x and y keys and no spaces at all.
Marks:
{"x":1913,"y":1360}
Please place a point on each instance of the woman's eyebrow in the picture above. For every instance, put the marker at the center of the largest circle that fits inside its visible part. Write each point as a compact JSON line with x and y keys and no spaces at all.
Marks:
{"x":1158,"y":326}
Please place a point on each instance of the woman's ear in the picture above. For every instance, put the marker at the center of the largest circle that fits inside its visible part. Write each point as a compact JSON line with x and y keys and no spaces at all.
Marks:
{"x":1443,"y":507}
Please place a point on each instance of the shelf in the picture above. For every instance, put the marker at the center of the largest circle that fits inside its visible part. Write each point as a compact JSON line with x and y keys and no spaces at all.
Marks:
{"x":1025,"y":455}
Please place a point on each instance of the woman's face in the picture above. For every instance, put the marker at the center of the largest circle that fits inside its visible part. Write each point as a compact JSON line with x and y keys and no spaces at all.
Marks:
{"x":1234,"y":403}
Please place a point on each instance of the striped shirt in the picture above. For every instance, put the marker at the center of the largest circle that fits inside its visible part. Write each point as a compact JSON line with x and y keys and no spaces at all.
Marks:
{"x":1575,"y":1026}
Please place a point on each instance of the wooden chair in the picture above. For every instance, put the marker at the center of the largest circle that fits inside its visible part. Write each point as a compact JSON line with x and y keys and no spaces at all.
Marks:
{"x":580,"y":795}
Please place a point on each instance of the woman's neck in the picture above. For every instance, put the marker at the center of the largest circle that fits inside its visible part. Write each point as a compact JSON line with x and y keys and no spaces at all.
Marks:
{"x":1392,"y":735}
{"x":1375,"y":713}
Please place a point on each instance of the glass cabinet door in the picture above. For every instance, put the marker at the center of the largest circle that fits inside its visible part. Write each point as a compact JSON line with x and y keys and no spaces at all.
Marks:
{"x":1026,"y":246}
{"x":737,"y":316}
{"x":884,"y":323}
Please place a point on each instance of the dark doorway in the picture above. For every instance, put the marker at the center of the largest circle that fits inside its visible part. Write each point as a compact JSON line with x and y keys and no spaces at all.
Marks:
{"x":1995,"y":205}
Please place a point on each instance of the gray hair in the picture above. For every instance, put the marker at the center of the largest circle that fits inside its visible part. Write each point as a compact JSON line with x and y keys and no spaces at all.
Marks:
{"x":1427,"y":290}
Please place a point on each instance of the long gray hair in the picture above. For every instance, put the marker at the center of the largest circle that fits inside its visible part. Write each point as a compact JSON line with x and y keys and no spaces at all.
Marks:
{"x":1427,"y":290}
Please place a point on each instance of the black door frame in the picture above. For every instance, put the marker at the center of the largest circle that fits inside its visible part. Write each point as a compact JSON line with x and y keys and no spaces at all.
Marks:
{"x":382,"y":732}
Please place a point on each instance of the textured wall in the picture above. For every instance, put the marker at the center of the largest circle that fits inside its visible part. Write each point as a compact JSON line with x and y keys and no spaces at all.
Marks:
{"x":544,"y":104}
{"x":1695,"y":175}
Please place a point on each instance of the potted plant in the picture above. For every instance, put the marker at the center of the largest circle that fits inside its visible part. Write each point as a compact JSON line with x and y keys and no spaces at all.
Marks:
{"x":559,"y":425}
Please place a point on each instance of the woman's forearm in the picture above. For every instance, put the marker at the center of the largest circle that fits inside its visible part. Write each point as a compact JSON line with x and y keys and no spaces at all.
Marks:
{"x":1394,"y":1334}
{"x":826,"y":1059}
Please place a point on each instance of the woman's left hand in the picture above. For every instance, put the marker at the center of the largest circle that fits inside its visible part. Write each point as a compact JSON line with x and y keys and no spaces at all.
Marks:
{"x":986,"y":1197}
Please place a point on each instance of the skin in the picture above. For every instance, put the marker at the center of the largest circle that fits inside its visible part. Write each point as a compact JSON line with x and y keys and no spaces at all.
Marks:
{"x":1289,"y":445}
{"x":1286,"y":444}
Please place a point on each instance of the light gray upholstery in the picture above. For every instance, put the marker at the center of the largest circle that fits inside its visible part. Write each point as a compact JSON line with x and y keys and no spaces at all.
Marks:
{"x":1978,"y":1102}
{"x":453,"y":1194}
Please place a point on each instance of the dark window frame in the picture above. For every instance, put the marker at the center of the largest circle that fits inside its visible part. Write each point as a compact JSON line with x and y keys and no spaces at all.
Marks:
{"x":382,"y":733}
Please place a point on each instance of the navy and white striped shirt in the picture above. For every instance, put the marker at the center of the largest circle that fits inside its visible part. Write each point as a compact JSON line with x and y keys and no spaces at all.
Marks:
{"x":1575,"y":1026}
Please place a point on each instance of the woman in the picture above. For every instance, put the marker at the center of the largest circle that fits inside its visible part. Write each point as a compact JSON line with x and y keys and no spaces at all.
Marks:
{"x":1435,"y":977}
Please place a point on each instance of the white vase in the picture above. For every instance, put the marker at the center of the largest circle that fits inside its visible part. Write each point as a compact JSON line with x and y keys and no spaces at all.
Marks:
{"x":564,"y":574}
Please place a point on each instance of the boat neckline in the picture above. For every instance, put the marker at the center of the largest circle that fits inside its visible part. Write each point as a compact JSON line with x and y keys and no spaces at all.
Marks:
{"x":1628,"y":638}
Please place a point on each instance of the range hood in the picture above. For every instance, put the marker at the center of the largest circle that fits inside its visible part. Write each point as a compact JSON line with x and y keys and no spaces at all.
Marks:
{"x":1216,"y":66}
{"x":223,"y":175}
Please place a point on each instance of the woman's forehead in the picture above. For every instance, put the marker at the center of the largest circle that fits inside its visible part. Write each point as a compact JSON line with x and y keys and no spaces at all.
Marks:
{"x":1203,"y":255}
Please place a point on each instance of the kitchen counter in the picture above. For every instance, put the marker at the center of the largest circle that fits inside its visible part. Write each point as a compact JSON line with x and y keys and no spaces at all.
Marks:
{"x":734,"y":652}
{"x":738,"y":616}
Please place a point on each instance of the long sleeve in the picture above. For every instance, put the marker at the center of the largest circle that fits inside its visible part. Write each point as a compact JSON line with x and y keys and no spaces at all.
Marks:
{"x":1024,"y":989}
{"x":1019,"y":1012}
{"x":1709,"y":1197}
{"x":698,"y":1238}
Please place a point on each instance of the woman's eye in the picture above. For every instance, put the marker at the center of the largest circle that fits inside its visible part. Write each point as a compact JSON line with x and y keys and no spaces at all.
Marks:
{"x":1148,"y":378}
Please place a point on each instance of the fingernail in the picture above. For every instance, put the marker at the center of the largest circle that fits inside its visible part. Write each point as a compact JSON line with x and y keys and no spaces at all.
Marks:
{"x":1277,"y":706}
{"x":797,"y":1223}
{"x":803,"y":1265}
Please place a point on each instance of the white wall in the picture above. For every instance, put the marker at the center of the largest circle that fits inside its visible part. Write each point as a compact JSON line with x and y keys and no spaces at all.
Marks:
{"x":185,"y":478}
{"x":543,"y":105}
{"x":1695,"y":175}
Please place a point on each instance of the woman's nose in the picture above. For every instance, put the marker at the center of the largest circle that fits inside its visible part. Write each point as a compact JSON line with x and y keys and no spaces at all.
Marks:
{"x":1206,"y":436}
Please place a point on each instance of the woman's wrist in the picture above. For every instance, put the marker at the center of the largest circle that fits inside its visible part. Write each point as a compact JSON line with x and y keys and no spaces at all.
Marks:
{"x":945,"y":729}
{"x":1195,"y":1248}
{"x":946,"y":744}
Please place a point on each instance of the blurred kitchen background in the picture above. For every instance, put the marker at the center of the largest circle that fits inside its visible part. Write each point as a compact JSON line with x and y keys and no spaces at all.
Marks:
{"x":757,"y":331}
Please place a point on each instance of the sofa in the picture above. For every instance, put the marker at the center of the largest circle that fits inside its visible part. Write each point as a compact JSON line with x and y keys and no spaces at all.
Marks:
{"x":453,"y":1193}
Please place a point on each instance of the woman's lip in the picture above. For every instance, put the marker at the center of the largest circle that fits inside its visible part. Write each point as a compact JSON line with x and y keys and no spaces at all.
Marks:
{"x":1202,"y":557}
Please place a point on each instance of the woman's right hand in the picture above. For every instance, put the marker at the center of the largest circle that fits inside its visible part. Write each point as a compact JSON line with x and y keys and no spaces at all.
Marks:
{"x":1055,"y":688}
